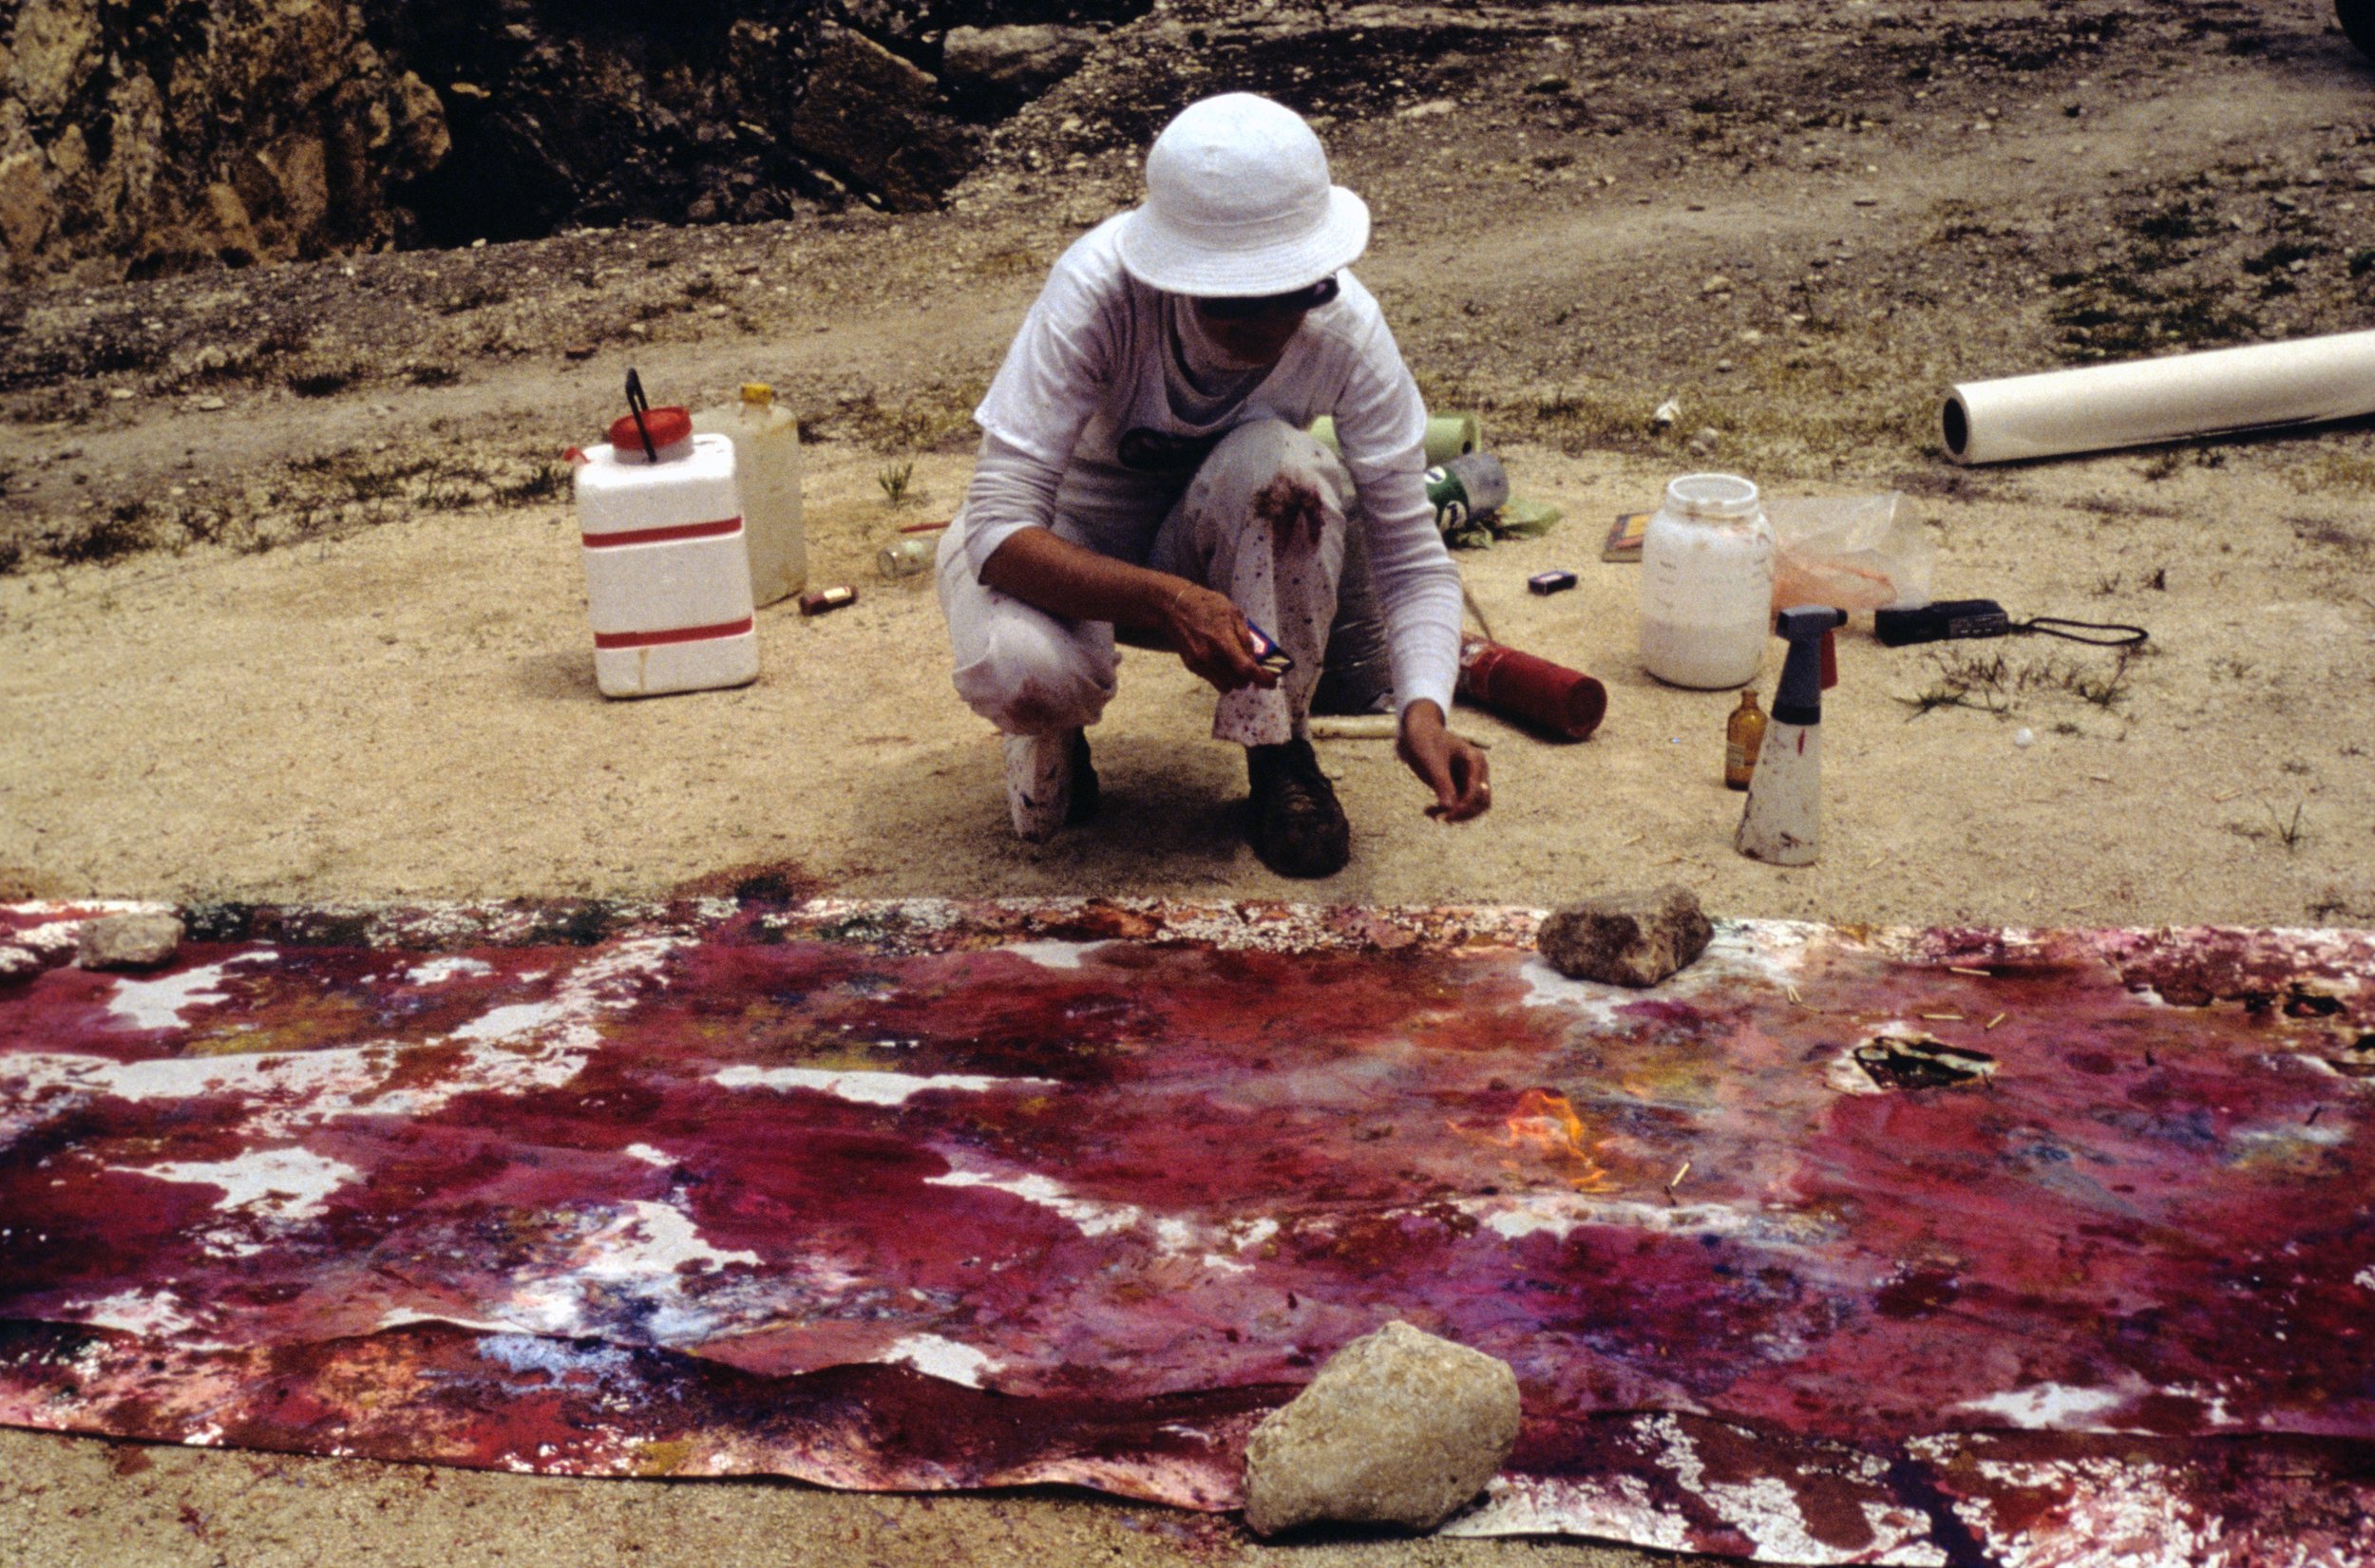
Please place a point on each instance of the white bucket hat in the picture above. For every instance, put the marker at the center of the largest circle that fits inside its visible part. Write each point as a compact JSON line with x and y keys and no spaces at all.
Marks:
{"x":1239,"y":205}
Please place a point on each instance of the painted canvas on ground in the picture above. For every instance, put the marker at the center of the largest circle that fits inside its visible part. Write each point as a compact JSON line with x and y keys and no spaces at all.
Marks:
{"x":1905,"y":1247}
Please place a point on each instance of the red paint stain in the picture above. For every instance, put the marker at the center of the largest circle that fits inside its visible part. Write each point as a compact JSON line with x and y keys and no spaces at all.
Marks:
{"x":1343,"y":1130}
{"x":1290,"y":506}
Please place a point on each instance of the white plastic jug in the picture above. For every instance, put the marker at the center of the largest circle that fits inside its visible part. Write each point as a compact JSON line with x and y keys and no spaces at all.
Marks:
{"x":767,"y":469}
{"x":667,"y":581}
{"x":1706,"y":583}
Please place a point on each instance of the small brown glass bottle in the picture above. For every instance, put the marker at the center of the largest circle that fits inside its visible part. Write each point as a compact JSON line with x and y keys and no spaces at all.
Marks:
{"x":1743,"y":736}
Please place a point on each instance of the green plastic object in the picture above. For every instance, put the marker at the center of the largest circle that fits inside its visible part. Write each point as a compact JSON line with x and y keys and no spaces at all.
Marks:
{"x":1515,"y":519}
{"x":1521,"y":519}
{"x":1448,"y":436}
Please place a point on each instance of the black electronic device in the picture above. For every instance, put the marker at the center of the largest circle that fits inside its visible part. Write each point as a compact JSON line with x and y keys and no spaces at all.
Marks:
{"x":1947,"y":619}
{"x":1940,"y":621}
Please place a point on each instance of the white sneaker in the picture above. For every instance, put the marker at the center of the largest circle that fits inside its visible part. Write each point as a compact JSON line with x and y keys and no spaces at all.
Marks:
{"x":1039,"y":782}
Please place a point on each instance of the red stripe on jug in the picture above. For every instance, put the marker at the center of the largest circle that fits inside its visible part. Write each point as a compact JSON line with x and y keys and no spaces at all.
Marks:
{"x":684,"y":633}
{"x":663,"y":536}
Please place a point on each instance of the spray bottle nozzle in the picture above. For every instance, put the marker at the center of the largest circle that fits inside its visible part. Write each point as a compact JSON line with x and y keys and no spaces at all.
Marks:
{"x":1800,"y":699}
{"x":1807,"y":620}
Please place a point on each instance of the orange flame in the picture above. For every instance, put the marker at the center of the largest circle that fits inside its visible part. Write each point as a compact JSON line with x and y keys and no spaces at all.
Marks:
{"x":1546,"y":1125}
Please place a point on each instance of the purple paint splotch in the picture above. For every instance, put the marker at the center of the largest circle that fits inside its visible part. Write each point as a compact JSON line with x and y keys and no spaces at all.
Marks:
{"x":1841,"y":1247}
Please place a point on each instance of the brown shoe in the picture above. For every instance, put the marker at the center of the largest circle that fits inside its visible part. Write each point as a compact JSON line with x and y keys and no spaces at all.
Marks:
{"x":1299,"y":830}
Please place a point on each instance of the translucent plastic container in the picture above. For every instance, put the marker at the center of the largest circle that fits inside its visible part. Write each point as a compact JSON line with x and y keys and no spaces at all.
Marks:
{"x":1706,"y":583}
{"x":767,"y":469}
{"x":667,"y":582}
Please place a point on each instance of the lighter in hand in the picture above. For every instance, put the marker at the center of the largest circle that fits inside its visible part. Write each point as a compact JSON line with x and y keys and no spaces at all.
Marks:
{"x":1267,"y":654}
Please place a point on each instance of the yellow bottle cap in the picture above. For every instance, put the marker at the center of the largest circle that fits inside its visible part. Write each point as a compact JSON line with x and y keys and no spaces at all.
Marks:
{"x":757,"y":391}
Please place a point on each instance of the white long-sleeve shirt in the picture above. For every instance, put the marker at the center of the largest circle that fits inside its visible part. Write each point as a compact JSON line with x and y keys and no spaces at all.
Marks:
{"x":1112,"y":393}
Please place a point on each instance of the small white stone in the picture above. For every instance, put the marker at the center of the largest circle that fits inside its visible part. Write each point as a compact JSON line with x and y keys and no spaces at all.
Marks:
{"x":129,"y":941}
{"x":2024,"y":737}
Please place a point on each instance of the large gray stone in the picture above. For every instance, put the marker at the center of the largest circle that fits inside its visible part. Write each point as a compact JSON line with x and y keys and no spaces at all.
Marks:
{"x":128,"y":942}
{"x":1019,"y":61}
{"x":1400,"y":1429}
{"x":874,"y":119}
{"x":1635,"y":939}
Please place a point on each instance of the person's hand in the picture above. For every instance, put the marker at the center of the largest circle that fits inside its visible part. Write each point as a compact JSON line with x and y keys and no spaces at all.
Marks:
{"x":1451,"y":766}
{"x":1209,"y":635}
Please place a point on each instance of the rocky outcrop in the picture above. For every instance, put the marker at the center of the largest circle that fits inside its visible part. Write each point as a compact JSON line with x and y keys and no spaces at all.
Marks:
{"x":160,"y":135}
{"x":563,"y":114}
{"x":177,"y":133}
{"x":877,"y":118}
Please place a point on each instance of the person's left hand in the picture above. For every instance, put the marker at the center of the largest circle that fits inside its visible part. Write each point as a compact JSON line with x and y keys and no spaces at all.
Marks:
{"x":1451,"y":766}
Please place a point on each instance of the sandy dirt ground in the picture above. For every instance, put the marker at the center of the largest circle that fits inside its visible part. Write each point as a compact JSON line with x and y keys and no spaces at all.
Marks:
{"x":312,"y":673}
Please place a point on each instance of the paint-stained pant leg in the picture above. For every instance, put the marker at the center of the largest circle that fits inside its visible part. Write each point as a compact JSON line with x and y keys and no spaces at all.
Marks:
{"x":1263,"y":522}
{"x":1025,"y":671}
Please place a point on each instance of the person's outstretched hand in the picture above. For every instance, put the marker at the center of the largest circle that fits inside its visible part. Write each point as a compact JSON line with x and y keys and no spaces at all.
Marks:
{"x":1209,"y":635}
{"x":1451,"y":766}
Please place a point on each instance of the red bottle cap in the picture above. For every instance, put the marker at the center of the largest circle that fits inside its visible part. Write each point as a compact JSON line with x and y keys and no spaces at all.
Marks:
{"x":667,"y":426}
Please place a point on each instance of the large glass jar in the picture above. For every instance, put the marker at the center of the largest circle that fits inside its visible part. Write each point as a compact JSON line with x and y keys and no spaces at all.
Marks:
{"x":1706,"y":583}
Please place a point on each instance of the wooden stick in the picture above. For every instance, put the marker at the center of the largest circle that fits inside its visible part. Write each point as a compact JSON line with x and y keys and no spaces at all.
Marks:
{"x":1356,"y":727}
{"x":1372,"y":727}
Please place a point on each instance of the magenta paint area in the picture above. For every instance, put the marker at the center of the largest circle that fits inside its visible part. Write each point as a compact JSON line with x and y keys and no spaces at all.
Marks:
{"x":1924,"y":1229}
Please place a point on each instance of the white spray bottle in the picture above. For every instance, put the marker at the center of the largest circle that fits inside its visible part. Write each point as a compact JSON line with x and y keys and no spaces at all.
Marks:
{"x":1783,"y":822}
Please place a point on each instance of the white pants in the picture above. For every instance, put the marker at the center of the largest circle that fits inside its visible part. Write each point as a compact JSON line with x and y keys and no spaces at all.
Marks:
{"x":1263,"y":521}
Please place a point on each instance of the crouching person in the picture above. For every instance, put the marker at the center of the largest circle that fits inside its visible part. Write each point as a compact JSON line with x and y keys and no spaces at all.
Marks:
{"x":1145,"y":473}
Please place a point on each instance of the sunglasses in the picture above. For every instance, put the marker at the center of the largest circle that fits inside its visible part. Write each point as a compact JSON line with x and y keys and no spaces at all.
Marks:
{"x":1245,"y":310}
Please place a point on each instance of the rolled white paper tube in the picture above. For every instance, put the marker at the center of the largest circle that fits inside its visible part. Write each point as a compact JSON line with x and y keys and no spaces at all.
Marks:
{"x":2261,"y":386}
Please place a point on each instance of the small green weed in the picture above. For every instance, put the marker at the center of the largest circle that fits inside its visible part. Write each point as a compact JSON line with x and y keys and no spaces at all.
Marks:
{"x":2105,"y":689}
{"x":1965,"y":680}
{"x":894,"y":478}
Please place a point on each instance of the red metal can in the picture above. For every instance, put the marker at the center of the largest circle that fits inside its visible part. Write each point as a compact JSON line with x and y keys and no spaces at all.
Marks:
{"x":1534,"y":690}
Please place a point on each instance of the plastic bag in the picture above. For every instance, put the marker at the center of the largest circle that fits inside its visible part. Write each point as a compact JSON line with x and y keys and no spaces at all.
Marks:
{"x":1853,"y":552}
